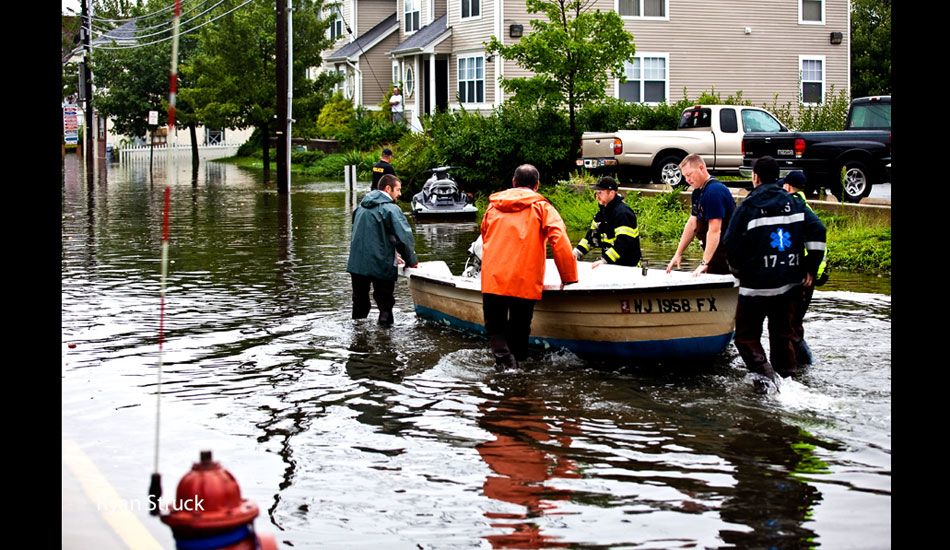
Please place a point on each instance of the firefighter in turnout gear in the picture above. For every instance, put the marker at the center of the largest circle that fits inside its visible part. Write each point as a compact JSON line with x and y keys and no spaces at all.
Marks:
{"x":794,"y":183}
{"x":614,"y":229}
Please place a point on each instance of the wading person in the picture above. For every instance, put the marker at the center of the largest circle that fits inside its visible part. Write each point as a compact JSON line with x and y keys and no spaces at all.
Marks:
{"x":794,"y":184}
{"x":382,"y":167}
{"x":614,"y":229}
{"x":765,"y":243}
{"x":381,"y":235}
{"x":712,"y":207}
{"x":517,"y":225}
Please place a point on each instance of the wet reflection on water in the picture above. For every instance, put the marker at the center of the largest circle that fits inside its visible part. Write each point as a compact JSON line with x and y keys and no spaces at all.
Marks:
{"x":346,"y":434}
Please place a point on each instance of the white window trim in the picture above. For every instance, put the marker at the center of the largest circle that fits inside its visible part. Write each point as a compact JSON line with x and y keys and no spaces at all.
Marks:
{"x":409,"y":84}
{"x":405,"y":17}
{"x":481,"y":9}
{"x":666,"y":57}
{"x":485,"y":104}
{"x":397,"y":71}
{"x":824,"y":79}
{"x":801,"y":14}
{"x":666,"y":10}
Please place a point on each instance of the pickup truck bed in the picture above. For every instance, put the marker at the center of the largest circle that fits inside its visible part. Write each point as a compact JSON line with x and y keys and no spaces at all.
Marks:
{"x":847,"y":163}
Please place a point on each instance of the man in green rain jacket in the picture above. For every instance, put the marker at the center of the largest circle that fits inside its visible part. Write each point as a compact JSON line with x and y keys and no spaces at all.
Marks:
{"x":381,"y":240}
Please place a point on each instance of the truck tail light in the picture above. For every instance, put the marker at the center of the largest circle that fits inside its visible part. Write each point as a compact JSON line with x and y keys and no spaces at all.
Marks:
{"x":618,"y":146}
{"x":799,"y":148}
{"x":743,"y":147}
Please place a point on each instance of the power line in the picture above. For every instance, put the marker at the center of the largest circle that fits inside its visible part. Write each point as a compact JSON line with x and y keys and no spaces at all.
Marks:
{"x":196,"y":27}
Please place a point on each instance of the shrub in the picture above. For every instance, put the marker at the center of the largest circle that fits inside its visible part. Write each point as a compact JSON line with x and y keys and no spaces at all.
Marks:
{"x":335,"y":117}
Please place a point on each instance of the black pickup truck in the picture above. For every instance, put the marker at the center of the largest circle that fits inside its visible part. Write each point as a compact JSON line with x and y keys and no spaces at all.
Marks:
{"x":846,"y":163}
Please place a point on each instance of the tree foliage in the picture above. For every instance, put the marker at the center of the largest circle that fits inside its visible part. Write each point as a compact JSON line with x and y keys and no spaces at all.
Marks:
{"x":870,"y":47}
{"x":130,"y":83}
{"x":572,"y":54}
{"x":233,"y":74}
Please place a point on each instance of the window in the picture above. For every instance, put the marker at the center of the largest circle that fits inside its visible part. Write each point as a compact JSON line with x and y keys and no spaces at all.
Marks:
{"x":471,"y":8}
{"x":728,"y":122}
{"x":472,"y":79}
{"x":813,"y":80}
{"x":811,"y":12}
{"x":396,"y":80}
{"x":759,"y":121}
{"x":646,"y":79}
{"x":410,"y":80}
{"x":336,"y":28}
{"x":642,"y":8}
{"x":214,"y":137}
{"x":412,"y":15}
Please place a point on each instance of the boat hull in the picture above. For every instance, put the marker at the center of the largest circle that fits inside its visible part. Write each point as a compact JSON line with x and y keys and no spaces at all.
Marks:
{"x":648,"y":317}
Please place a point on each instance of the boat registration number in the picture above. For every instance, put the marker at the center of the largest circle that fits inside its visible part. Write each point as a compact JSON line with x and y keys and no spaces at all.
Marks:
{"x":668,"y":305}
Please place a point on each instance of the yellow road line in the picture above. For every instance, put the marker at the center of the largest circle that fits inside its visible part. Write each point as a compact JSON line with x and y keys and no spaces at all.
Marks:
{"x":107,"y":500}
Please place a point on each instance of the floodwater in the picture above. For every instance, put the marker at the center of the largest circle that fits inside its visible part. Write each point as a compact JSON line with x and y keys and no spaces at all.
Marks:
{"x":347,"y":435}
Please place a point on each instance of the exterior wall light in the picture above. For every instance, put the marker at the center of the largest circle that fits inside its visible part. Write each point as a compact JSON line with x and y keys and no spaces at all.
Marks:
{"x":836,"y":38}
{"x":516,"y":31}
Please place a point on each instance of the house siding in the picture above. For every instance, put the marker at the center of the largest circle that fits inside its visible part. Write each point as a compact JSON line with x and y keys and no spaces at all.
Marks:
{"x":376,"y":66}
{"x":723,"y":57}
{"x":468,"y":39}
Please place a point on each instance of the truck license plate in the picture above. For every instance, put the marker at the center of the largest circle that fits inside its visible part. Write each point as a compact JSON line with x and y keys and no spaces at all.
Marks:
{"x":786,"y":152}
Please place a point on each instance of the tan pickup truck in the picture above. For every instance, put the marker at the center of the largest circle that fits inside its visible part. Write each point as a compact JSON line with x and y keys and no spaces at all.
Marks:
{"x":713,"y":131}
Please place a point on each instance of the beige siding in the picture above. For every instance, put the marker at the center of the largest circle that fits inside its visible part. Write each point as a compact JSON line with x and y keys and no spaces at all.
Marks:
{"x":708,"y":47}
{"x":370,"y":12}
{"x":377,"y":70}
{"x":468,"y":39}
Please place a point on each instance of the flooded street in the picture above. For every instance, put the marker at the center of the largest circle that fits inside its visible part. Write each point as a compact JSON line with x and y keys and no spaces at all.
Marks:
{"x":347,"y":435}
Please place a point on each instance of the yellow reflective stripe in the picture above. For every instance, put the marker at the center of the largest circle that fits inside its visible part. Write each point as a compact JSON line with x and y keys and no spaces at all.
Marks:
{"x":584,"y":246}
{"x":612,"y":254}
{"x":606,"y":239}
{"x":628,"y":231}
{"x":593,"y":225}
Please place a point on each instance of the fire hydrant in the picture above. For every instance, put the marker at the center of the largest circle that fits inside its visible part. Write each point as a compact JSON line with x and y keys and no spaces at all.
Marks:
{"x":209,"y":513}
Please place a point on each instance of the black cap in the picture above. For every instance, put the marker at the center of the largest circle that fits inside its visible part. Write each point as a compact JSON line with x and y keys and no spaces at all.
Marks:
{"x":388,"y":152}
{"x":796,"y":179}
{"x":606,"y":183}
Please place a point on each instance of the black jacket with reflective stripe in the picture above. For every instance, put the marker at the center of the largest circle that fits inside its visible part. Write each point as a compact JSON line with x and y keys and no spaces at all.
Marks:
{"x":766,"y":242}
{"x":615,"y":231}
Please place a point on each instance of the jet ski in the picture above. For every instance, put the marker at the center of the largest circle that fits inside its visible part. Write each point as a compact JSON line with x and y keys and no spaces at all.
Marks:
{"x":442,"y":198}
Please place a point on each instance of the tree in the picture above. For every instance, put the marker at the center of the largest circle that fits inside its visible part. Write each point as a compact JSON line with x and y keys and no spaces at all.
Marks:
{"x":232,"y":76}
{"x":572,"y":53}
{"x":870,"y":47}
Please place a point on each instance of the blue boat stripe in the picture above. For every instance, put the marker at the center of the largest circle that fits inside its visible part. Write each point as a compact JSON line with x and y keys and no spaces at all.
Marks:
{"x":697,"y":347}
{"x":776,"y":220}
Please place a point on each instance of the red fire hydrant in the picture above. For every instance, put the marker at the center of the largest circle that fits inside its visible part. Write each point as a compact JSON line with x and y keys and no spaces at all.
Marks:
{"x":209,"y":513}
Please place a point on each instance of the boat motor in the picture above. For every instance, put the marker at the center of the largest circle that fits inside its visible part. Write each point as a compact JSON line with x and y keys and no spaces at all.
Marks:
{"x":473,"y":265}
{"x":209,"y":513}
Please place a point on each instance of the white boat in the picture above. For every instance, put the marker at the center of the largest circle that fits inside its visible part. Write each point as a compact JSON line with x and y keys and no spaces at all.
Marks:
{"x":612,"y":311}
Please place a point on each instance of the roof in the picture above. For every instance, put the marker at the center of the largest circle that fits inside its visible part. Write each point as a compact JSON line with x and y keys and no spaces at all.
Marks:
{"x":425,"y":38}
{"x":123,"y":34}
{"x":369,"y":39}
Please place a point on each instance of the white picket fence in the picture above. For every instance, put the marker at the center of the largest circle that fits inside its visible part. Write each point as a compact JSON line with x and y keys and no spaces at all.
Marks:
{"x":138,"y":154}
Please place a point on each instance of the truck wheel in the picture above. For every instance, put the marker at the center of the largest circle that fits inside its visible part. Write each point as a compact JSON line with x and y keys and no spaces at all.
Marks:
{"x":855,"y":182}
{"x":667,"y":172}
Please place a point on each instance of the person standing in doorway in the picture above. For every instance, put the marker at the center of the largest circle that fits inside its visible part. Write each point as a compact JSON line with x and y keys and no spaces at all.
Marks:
{"x":395,"y":102}
{"x":382,"y":168}
{"x":381,"y":240}
{"x":712,"y":207}
{"x":516,"y":228}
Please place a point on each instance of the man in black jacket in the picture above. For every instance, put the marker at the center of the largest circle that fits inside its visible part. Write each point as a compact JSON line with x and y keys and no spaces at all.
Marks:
{"x":765,"y":246}
{"x":614,"y":229}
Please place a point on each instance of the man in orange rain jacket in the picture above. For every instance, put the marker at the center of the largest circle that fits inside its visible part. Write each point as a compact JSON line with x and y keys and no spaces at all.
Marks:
{"x":517,"y":225}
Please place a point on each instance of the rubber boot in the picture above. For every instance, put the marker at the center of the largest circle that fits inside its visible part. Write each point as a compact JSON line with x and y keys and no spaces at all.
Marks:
{"x":803,"y":353}
{"x":386,"y":318}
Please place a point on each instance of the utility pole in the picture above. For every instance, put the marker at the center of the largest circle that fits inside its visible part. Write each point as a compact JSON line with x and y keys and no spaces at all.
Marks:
{"x":283,"y":137}
{"x":86,"y":30}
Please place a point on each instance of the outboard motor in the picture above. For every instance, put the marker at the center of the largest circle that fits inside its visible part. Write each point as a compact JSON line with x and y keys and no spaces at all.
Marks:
{"x":473,"y":265}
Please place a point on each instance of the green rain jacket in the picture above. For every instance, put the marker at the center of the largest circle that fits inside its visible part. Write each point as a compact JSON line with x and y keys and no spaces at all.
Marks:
{"x":380,"y":230}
